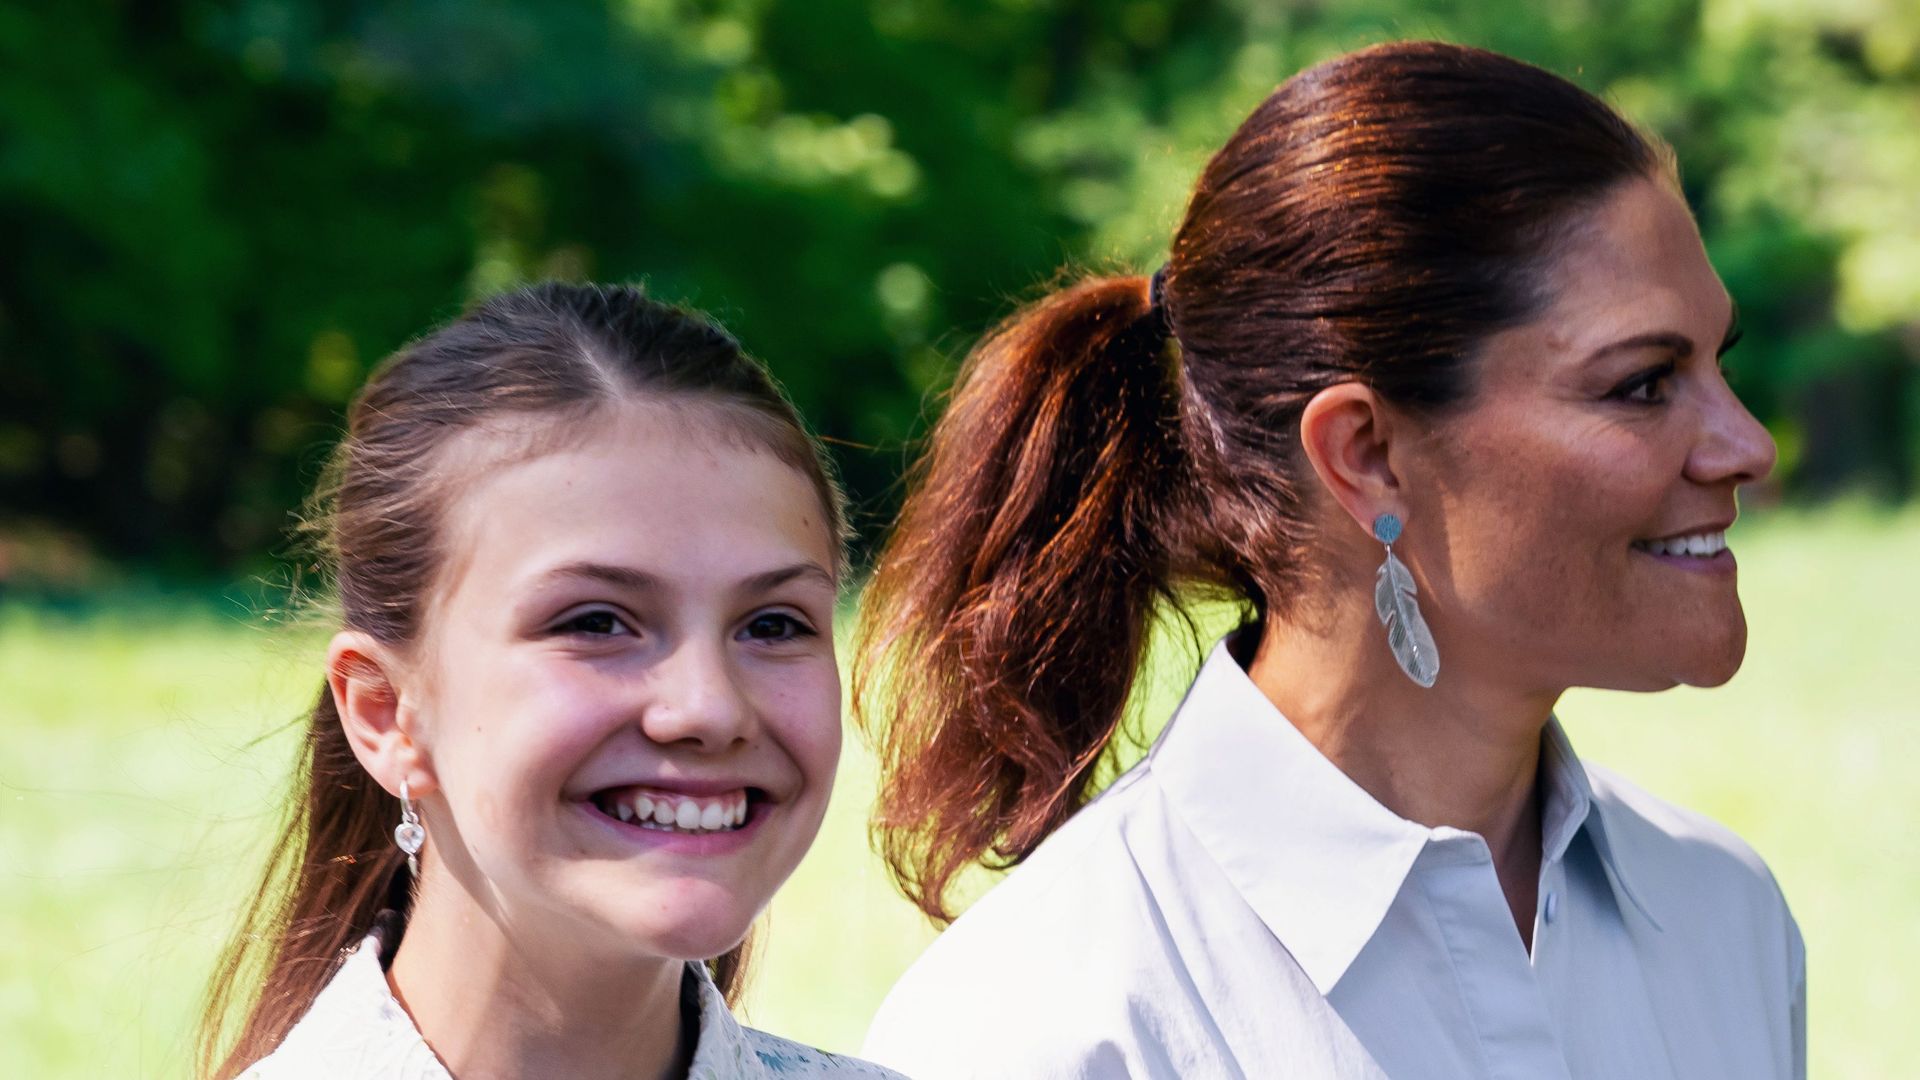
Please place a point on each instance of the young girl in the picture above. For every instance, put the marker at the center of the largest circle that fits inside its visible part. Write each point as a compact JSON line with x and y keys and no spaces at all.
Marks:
{"x":580,"y":721}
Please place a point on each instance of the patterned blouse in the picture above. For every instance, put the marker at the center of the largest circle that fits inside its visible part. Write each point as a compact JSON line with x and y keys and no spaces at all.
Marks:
{"x":357,"y":1031}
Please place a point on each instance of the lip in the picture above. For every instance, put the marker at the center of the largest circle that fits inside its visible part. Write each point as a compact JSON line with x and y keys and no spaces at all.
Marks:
{"x":1719,"y":526}
{"x":690,"y":787}
{"x":1719,"y":564}
{"x":700,"y":844}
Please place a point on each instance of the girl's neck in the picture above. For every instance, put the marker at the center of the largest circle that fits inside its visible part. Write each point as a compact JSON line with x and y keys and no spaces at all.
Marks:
{"x":499,"y":1000}
{"x":1463,"y":754}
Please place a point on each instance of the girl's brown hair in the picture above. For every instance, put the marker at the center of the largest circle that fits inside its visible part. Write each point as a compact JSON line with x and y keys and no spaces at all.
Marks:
{"x":1116,"y":446}
{"x":561,"y":351}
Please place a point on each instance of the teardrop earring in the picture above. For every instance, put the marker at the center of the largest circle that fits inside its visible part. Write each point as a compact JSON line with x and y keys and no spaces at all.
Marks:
{"x":409,"y":835}
{"x":1394,"y":601}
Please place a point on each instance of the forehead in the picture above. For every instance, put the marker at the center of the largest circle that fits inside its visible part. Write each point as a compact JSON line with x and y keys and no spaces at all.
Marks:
{"x":649,"y":486}
{"x":1632,"y":264}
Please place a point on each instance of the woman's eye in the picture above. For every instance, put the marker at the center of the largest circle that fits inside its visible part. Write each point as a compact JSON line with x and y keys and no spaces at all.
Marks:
{"x":1646,"y":388}
{"x":774,"y":626}
{"x":594,"y":624}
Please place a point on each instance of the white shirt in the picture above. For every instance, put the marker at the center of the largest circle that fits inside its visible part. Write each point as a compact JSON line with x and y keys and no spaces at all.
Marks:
{"x":355,"y":1030}
{"x":1235,"y":906}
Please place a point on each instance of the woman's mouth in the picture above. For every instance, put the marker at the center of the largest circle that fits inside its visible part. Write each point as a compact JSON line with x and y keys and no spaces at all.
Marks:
{"x":1703,"y":551}
{"x":1700,"y":545}
{"x":674,"y":812}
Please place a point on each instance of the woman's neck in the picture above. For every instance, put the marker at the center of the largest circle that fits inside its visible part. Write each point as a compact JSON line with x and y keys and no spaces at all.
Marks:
{"x":1463,"y":754}
{"x":493,"y":1003}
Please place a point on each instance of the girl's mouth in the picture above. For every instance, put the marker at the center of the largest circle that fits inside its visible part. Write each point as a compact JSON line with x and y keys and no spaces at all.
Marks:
{"x":674,"y":812}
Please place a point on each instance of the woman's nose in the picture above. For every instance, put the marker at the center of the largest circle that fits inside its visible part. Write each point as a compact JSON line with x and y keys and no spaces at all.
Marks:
{"x":695,"y":699}
{"x":1734,"y":446}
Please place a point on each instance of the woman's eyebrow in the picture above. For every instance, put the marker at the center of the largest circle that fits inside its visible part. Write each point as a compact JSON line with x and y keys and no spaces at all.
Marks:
{"x":1680,"y":344}
{"x":1733,"y":327}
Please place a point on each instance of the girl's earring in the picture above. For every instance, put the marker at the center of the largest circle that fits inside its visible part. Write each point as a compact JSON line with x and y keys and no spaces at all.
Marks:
{"x":409,"y":835}
{"x":1393,"y":600}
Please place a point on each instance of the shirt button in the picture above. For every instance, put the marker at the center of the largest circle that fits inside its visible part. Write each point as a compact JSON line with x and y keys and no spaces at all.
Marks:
{"x":1553,"y":905}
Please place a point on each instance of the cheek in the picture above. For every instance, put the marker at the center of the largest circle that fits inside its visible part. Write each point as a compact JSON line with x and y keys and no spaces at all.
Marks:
{"x":801,"y":706}
{"x":514,"y":732}
{"x":1538,"y":517}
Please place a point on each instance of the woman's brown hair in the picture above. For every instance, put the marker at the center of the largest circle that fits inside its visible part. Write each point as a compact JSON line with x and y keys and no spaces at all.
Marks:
{"x":1121,"y":444}
{"x":556,"y":350}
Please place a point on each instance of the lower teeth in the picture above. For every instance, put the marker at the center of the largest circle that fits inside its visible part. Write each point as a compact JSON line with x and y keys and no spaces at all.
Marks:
{"x":657,"y":827}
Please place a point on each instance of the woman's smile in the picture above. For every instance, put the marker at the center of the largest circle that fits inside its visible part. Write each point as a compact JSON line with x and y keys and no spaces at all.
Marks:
{"x":1699,"y":550}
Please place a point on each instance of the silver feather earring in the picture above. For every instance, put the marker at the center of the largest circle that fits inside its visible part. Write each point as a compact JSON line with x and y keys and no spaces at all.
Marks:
{"x":1394,"y":601}
{"x":409,"y":835}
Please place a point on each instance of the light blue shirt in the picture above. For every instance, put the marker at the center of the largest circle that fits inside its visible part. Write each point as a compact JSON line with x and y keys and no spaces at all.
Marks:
{"x":356,"y":1030}
{"x":1235,"y":906}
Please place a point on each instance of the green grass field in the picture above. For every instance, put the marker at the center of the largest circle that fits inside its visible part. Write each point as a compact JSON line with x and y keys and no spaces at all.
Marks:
{"x":140,"y":770}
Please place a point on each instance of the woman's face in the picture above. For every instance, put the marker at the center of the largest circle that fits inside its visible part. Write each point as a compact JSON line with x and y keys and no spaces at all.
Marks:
{"x":631,"y":706}
{"x":1570,"y":522}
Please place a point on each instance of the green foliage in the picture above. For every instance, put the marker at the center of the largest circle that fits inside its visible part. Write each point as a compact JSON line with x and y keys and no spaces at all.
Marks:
{"x":217,"y":217}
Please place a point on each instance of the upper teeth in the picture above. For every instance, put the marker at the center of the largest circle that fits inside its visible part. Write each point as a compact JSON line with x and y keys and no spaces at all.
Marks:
{"x":678,"y":813}
{"x":1698,"y":545}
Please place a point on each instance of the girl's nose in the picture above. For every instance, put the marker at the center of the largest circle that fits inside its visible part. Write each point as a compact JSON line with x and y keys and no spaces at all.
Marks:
{"x":694,"y":699}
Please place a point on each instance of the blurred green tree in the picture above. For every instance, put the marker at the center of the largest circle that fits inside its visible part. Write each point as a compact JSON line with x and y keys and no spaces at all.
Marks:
{"x":217,"y":217}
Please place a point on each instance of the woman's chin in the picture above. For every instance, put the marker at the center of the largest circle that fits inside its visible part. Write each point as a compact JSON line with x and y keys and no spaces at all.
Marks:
{"x":1715,"y":666}
{"x":1708,"y":677}
{"x":1705,"y":667}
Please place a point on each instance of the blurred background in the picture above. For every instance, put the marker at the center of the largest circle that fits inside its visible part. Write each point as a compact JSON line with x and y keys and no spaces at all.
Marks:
{"x":215,"y":218}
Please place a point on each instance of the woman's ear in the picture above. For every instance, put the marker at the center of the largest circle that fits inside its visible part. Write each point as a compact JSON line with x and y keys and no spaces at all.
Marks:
{"x":1345,"y":431}
{"x":364,"y":675}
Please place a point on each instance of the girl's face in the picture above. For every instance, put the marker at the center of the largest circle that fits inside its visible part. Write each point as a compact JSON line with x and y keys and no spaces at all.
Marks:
{"x":1571,"y":523}
{"x":627,"y":691}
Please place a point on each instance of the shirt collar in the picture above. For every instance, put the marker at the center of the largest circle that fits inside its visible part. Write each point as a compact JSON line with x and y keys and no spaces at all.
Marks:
{"x":723,"y":1049}
{"x":1569,"y":786}
{"x":358,"y":1000}
{"x":1316,"y":857}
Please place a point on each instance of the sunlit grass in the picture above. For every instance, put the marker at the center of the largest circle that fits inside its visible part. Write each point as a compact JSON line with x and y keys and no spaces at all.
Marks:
{"x":140,"y":777}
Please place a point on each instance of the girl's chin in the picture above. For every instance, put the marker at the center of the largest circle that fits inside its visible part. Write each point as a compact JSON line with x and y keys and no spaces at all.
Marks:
{"x":685,"y":919}
{"x":695,"y":940}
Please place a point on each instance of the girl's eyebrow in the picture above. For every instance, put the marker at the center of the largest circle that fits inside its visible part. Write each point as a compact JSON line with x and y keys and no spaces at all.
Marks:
{"x":772,"y":579}
{"x":625,"y":577}
{"x":633,"y":580}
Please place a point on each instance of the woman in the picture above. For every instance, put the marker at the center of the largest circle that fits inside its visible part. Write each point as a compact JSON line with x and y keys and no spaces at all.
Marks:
{"x":580,"y":720}
{"x":1431,"y":382}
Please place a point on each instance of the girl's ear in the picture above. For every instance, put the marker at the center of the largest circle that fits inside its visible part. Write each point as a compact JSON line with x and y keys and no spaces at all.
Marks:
{"x":364,"y":675}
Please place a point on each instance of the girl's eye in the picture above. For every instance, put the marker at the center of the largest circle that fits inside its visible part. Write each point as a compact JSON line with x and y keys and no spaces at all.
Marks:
{"x":776,"y":626}
{"x":1648,"y":387}
{"x":596,"y":623}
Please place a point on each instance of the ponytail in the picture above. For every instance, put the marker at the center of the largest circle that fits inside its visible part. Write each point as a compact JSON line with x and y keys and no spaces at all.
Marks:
{"x":1012,"y":605}
{"x":331,"y":871}
{"x":1376,"y":219}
